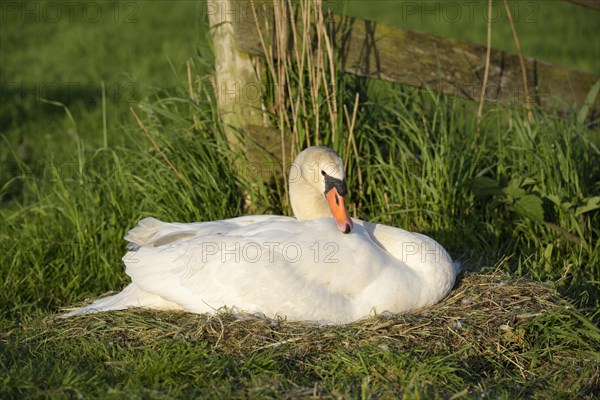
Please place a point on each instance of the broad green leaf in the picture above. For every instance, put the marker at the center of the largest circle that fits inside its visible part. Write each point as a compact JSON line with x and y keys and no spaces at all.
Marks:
{"x":514,"y":192}
{"x":530,"y":206}
{"x":554,"y":199}
{"x":548,"y":257}
{"x":567,"y":205}
{"x":485,"y":187}
{"x":589,"y":101}
{"x":593,"y":203}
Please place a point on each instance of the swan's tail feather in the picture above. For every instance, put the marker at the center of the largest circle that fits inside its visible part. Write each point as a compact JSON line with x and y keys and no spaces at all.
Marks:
{"x":144,"y":233}
{"x":131,"y":296}
{"x":151,"y":232}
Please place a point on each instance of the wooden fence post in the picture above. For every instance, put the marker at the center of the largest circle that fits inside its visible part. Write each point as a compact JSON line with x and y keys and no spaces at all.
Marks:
{"x":239,"y":90}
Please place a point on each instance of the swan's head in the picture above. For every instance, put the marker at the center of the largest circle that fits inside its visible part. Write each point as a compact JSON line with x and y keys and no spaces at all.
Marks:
{"x":318,"y":187}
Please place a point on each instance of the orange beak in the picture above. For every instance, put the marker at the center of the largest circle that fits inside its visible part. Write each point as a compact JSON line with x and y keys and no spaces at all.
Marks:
{"x":338,"y":210}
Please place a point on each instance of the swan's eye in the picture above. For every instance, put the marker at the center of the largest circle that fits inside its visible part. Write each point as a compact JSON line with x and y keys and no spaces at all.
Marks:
{"x":323,"y":173}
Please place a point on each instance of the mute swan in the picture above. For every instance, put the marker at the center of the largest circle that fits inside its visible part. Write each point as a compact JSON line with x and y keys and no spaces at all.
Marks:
{"x":301,"y":268}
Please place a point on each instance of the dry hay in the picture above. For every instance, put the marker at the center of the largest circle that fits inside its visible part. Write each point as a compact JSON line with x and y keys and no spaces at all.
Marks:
{"x":485,"y":310}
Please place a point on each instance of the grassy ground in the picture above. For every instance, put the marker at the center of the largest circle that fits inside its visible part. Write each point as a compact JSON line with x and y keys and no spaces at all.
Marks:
{"x":492,"y":337}
{"x":516,"y":203}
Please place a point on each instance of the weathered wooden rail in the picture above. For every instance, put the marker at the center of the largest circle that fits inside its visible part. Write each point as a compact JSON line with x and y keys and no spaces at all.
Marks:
{"x":379,"y":51}
{"x":595,"y":4}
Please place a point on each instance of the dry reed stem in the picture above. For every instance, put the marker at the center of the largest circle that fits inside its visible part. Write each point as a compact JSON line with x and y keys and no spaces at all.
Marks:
{"x":189,"y":78}
{"x":352,"y":141}
{"x":330,"y":98}
{"x":281,"y":48}
{"x":300,"y":60}
{"x":521,"y":61}
{"x":302,"y":54}
{"x":487,"y":63}
{"x":141,"y":124}
{"x":193,"y":95}
{"x":350,"y":129}
{"x":266,"y":50}
{"x":311,"y":58}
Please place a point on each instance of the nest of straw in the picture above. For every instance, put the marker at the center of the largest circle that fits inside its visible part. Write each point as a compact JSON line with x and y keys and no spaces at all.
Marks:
{"x":485,"y":310}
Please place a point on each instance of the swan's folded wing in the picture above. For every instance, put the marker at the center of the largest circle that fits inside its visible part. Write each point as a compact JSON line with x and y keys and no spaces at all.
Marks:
{"x":302,"y":269}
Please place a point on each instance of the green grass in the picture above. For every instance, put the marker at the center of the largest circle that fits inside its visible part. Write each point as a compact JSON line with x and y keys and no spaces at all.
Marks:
{"x":135,"y":49}
{"x":516,"y":203}
{"x":484,"y":340}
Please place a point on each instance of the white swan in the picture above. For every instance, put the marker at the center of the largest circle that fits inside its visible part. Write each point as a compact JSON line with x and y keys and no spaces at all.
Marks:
{"x":301,"y":268}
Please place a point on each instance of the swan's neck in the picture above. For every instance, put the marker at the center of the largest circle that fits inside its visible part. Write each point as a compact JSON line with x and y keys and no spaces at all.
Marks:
{"x":307,"y":202}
